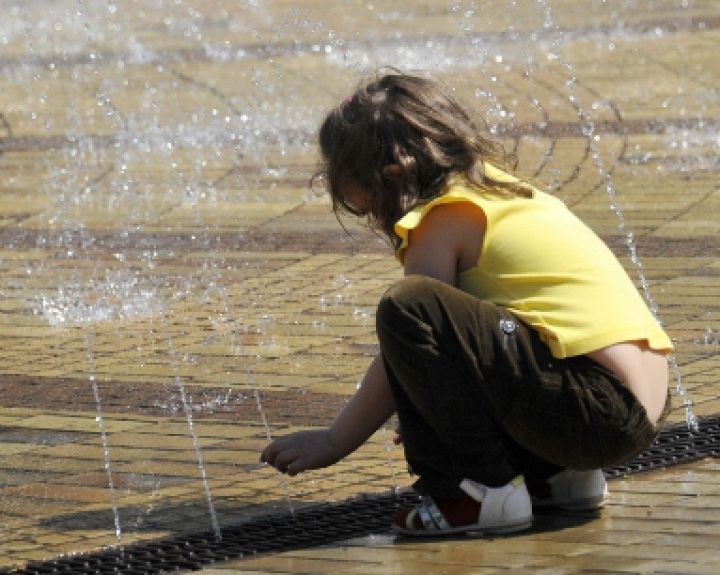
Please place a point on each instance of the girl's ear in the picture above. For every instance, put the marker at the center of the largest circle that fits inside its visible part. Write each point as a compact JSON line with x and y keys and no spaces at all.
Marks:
{"x":392,"y":171}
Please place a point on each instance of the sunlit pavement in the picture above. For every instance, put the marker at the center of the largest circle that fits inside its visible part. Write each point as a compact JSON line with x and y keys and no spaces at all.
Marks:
{"x":173,"y":292}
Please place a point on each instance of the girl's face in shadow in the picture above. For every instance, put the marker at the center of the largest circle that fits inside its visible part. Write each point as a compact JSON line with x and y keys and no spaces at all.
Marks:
{"x":356,"y":199}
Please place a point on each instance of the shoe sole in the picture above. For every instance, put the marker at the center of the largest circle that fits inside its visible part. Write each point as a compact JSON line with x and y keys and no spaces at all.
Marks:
{"x":586,"y":504}
{"x":466,"y":529}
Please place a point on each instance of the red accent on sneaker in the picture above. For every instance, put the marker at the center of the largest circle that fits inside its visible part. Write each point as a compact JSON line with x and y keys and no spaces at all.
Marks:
{"x":458,"y":511}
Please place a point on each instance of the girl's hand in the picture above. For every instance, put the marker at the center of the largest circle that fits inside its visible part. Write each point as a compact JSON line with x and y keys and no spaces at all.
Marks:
{"x":301,"y":451}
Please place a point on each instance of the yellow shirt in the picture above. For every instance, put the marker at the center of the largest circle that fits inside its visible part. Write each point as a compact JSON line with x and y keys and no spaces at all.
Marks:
{"x":544,"y":265}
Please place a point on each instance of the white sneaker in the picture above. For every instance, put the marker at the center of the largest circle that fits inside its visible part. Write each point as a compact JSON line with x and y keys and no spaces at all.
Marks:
{"x":572,"y":490}
{"x":485,"y":509}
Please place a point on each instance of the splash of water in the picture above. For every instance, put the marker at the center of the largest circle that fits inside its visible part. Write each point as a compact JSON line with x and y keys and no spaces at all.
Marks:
{"x":119,"y":296}
{"x":588,"y":130}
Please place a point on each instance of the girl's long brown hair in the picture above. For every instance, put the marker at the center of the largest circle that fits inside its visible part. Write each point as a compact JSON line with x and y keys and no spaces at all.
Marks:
{"x":412,"y":122}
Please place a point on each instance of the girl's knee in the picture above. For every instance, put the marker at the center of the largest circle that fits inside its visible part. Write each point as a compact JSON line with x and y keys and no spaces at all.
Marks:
{"x":401,"y":303}
{"x":407,"y":294}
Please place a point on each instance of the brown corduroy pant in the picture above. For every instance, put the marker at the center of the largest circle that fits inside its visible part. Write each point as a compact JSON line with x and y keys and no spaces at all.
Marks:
{"x":480,"y":396}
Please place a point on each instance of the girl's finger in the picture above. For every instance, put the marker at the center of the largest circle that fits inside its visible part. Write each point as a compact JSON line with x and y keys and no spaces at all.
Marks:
{"x":284,"y":459}
{"x":264,"y":455}
{"x":269,"y":453}
{"x":272,"y":450}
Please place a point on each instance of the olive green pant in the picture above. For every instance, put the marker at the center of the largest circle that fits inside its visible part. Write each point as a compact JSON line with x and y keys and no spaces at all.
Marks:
{"x":480,"y":396}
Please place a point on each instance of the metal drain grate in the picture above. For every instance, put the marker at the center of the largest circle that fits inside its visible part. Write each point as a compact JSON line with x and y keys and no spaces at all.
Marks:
{"x":327,"y":523}
{"x":675,"y":444}
{"x":308,"y":527}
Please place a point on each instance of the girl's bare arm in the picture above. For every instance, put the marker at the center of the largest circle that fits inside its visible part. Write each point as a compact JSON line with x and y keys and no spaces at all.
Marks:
{"x":448,"y":240}
{"x":370,"y":407}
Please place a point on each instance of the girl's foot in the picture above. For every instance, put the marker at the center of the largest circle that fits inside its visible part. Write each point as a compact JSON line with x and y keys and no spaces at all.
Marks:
{"x":482,"y":510}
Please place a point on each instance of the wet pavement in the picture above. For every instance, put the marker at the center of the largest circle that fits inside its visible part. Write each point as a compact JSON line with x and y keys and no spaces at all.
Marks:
{"x":173,"y":292}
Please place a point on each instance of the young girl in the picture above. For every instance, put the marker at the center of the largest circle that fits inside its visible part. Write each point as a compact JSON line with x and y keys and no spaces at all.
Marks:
{"x":517,"y":353}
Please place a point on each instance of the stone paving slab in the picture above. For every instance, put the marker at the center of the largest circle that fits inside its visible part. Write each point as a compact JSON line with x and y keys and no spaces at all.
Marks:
{"x":637,"y":532}
{"x":173,"y":291}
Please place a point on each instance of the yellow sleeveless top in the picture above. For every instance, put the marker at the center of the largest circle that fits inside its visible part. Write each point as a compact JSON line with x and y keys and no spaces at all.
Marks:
{"x":540,"y":262}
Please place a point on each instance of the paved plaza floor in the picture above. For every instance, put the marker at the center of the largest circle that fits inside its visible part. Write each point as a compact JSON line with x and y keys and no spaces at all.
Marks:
{"x":173,"y":292}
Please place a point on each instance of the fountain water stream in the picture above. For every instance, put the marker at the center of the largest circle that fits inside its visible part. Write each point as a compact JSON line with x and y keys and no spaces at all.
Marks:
{"x":588,"y":130}
{"x":107,"y":459}
{"x":187,"y":408}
